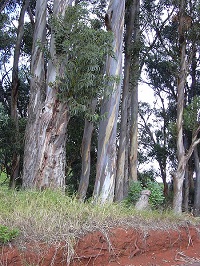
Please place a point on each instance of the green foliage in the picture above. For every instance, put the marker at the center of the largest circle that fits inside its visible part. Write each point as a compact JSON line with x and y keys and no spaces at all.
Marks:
{"x":156,"y":198}
{"x":7,"y":139}
{"x":7,"y":234}
{"x":134,"y":192}
{"x":7,"y":38}
{"x":190,"y":114}
{"x":81,"y":50}
{"x":27,"y":38}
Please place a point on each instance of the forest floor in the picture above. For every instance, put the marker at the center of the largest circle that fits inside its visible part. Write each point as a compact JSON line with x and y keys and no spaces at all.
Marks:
{"x":115,"y":246}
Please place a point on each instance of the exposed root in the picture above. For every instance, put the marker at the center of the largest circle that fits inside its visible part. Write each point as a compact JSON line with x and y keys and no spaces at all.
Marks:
{"x":136,"y":249}
{"x":180,"y":256}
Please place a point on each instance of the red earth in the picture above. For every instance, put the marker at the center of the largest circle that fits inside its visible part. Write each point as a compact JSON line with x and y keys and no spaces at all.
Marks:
{"x":127,"y":247}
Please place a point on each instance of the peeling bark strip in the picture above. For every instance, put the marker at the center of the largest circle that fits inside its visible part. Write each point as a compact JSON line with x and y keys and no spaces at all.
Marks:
{"x":45,"y":153}
{"x":106,"y":157}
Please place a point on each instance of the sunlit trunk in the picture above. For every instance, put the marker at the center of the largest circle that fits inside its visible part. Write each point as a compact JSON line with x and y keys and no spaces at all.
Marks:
{"x":106,"y":156}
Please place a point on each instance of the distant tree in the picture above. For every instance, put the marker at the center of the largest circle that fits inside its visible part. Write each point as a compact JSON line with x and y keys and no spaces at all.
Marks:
{"x":182,"y":155}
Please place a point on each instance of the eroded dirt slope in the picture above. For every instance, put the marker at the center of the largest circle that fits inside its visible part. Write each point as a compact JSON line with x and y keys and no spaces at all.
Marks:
{"x":118,"y":246}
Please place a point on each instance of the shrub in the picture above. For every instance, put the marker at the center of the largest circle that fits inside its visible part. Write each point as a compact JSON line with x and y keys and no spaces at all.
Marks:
{"x":134,"y":192}
{"x":156,"y":198}
{"x":7,"y":234}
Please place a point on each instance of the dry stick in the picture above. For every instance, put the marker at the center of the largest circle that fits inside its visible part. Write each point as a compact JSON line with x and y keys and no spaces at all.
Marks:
{"x":190,"y":242}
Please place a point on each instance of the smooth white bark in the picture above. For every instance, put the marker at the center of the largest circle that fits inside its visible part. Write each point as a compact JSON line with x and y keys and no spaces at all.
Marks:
{"x":106,"y":157}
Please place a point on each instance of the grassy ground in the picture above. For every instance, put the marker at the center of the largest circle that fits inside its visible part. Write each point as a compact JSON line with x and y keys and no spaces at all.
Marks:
{"x":51,"y":216}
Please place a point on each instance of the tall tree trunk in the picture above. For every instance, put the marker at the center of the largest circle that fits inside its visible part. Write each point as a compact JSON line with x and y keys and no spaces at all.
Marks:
{"x":106,"y":156}
{"x":178,"y":177}
{"x":47,"y":169}
{"x":14,"y":94}
{"x":86,"y":158}
{"x":134,"y":97}
{"x":130,"y":18}
{"x":197,"y":184}
{"x":37,"y":96}
{"x":183,"y":156}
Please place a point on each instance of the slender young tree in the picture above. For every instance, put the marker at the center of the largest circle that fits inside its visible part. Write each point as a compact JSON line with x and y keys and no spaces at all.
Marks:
{"x":134,"y":96}
{"x":106,"y":156}
{"x":14,"y":92}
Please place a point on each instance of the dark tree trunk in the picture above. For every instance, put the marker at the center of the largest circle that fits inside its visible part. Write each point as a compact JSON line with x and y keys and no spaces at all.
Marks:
{"x":130,"y":18}
{"x":14,"y":95}
{"x":86,"y":158}
{"x":134,"y":97}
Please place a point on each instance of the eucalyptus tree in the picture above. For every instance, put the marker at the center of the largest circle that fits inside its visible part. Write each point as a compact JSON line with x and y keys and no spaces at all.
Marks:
{"x":106,"y":156}
{"x":171,"y":60}
{"x":130,"y":90}
{"x":77,"y":52}
{"x":185,"y":24}
{"x":37,"y":92}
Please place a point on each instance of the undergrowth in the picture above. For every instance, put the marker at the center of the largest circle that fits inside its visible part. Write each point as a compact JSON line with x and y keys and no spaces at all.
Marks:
{"x":7,"y":234}
{"x":50,"y":216}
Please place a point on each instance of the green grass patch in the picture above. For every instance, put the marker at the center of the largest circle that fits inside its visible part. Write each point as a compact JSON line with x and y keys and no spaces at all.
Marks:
{"x":4,"y":181}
